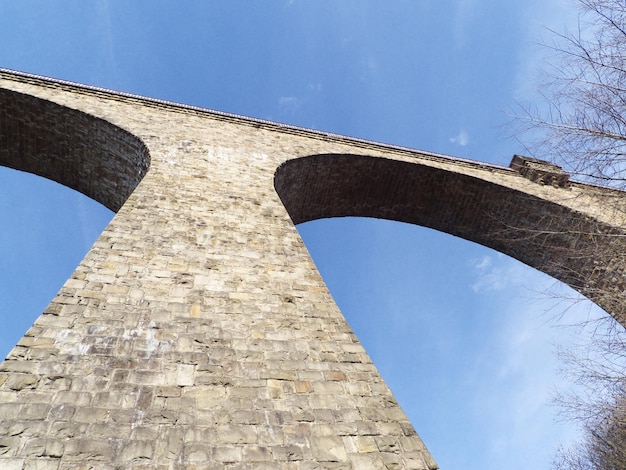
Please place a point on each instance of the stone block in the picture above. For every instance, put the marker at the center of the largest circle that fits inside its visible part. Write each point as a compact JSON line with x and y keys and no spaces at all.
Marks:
{"x":227,"y":454}
{"x":88,"y":450}
{"x":361,"y":444}
{"x":8,"y":412}
{"x":185,"y":374}
{"x":257,"y":454}
{"x":328,"y":448}
{"x":302,"y":386}
{"x":287,"y":453}
{"x":48,"y":464}
{"x":197,"y":454}
{"x":12,"y":464}
{"x":236,"y":434}
{"x":367,"y":462}
{"x":35,"y":411}
{"x":136,"y":450}
{"x":19,"y":382}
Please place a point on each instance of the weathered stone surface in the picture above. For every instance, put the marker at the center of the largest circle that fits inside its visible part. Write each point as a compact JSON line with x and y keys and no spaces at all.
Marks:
{"x":197,"y":332}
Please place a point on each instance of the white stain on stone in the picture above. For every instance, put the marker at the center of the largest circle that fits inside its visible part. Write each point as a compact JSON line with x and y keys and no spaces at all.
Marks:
{"x":148,"y":332}
{"x":219,"y":153}
{"x":70,"y":348}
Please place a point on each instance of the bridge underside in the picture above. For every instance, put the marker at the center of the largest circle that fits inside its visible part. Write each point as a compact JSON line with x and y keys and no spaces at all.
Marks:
{"x":70,"y":147}
{"x":555,"y":239}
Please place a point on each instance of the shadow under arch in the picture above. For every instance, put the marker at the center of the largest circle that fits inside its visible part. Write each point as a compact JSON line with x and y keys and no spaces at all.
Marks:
{"x":567,"y":245}
{"x":85,"y":153}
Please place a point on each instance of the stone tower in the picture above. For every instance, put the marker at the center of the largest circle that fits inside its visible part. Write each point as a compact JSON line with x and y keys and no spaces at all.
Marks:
{"x":197,"y":332}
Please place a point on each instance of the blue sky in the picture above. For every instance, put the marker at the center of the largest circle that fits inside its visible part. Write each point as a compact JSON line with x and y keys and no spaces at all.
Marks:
{"x":462,"y":334}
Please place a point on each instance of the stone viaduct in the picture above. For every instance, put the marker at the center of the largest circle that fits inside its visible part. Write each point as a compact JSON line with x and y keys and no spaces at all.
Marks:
{"x":197,"y":332}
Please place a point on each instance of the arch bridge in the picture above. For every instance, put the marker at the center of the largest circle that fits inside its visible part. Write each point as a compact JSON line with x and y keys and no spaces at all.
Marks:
{"x":197,"y":330}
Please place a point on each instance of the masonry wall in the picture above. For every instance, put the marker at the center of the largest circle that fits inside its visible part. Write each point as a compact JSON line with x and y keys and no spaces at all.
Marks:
{"x":197,"y":332}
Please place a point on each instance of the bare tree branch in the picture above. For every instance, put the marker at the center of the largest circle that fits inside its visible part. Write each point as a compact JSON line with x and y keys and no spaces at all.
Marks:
{"x":582,"y":127}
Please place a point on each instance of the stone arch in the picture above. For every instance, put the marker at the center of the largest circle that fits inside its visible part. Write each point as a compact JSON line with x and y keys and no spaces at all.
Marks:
{"x":70,"y":147}
{"x":569,"y":246}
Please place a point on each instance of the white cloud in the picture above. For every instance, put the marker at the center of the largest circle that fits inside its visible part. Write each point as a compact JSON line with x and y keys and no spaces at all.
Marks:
{"x":314,"y":87}
{"x":488,"y":277}
{"x":105,"y":28}
{"x":462,"y":138}
{"x":289,"y":104}
{"x":494,"y":275}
